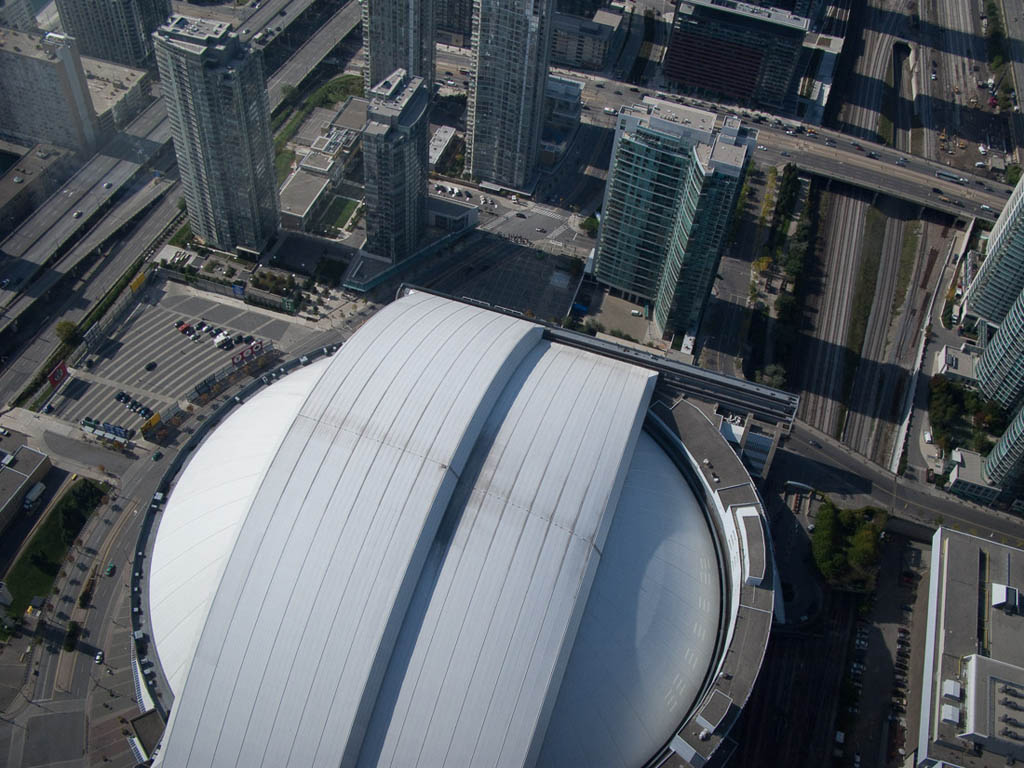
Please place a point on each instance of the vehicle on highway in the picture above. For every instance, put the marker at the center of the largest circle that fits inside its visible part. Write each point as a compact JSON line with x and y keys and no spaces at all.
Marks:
{"x":950,"y":177}
{"x":814,"y":443}
{"x":77,"y":214}
{"x":520,"y":214}
{"x":151,"y":365}
{"x":107,"y":185}
{"x":933,"y":76}
{"x":157,"y":455}
{"x":985,"y":207}
{"x":873,"y":155}
{"x":542,"y":230}
{"x":610,"y":111}
{"x":110,"y":569}
{"x":761,"y":146}
{"x":99,"y":657}
{"x":785,"y":154}
{"x":901,"y":161}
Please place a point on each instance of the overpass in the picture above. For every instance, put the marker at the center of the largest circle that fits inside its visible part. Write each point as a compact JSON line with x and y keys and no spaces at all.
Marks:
{"x":914,"y":181}
{"x":313,"y":51}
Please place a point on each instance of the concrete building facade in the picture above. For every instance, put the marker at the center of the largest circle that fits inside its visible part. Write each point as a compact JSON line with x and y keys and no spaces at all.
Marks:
{"x":19,"y":471}
{"x":584,"y":43}
{"x":743,"y":51}
{"x":216,"y":97}
{"x":511,"y":49}
{"x":115,"y":30}
{"x":1000,"y":279}
{"x":398,"y":34}
{"x":43,"y":92}
{"x":671,"y":187}
{"x":454,"y":20}
{"x":17,"y":14}
{"x":395,"y":152}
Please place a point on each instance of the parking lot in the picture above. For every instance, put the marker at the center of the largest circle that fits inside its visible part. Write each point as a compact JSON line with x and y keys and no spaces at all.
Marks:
{"x":126,"y":362}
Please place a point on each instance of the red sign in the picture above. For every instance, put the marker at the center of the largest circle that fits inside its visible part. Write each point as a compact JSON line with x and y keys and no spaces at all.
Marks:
{"x":247,"y":354}
{"x":58,"y":374}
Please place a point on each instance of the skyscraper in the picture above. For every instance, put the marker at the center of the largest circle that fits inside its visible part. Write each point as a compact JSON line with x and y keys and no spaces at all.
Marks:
{"x":1004,"y":466}
{"x":44,"y":95}
{"x":511,"y":46}
{"x":669,"y":196}
{"x":398,"y":34}
{"x":1001,"y":277}
{"x":216,"y":98}
{"x":17,"y":14}
{"x":1000,"y":370}
{"x":737,"y":49}
{"x":115,"y":30}
{"x":395,"y":165}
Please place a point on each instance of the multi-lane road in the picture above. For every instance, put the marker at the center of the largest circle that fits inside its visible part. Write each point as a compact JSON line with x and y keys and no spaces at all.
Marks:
{"x":313,"y":51}
{"x":70,"y":211}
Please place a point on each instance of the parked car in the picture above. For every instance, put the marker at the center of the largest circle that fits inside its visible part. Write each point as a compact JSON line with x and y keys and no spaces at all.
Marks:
{"x":151,"y":365}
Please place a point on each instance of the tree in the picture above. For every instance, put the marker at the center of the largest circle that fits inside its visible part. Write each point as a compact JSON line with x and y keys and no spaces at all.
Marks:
{"x":1012,"y":174}
{"x":863,"y":552}
{"x":772,"y":375}
{"x":67,"y":332}
{"x":589,"y":225}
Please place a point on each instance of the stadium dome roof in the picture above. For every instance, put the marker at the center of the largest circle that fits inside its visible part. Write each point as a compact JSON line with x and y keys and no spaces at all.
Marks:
{"x":452,"y":543}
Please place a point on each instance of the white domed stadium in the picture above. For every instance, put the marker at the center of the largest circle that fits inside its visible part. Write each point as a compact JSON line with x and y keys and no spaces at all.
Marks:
{"x":457,"y":542}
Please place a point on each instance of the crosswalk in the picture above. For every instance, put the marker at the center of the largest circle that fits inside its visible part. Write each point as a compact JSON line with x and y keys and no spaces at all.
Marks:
{"x":180,"y":362}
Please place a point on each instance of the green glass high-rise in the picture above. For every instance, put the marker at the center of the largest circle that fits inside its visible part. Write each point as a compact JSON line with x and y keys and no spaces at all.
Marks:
{"x":670,"y":193}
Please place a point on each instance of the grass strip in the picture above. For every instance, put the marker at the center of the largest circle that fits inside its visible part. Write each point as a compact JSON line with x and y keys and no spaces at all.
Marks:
{"x":908,"y":255}
{"x":37,"y":568}
{"x":863,"y":294}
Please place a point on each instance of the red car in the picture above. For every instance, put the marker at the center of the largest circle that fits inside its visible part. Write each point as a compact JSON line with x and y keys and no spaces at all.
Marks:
{"x":185,"y":328}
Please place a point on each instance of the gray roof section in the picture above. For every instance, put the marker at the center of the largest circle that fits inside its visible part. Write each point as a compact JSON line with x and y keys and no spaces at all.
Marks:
{"x":312,"y":596}
{"x":422,"y":485}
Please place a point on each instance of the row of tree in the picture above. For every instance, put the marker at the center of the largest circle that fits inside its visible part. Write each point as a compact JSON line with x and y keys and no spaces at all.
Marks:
{"x":845,"y":545}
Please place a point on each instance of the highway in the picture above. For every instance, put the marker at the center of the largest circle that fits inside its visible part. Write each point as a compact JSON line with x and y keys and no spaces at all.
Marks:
{"x":1014,"y":23}
{"x":271,"y":13}
{"x":313,"y":51}
{"x":54,"y":223}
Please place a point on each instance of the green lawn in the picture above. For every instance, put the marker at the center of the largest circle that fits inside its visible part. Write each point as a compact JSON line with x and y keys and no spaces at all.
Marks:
{"x":339,"y":212}
{"x":283,"y":164}
{"x":35,"y":571}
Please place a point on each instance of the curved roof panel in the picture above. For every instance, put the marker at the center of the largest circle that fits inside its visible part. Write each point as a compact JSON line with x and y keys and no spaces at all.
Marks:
{"x":449,"y":544}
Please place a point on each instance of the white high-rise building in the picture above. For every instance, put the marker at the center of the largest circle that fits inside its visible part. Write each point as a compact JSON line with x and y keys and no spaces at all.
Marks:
{"x":398,"y":34}
{"x":511,"y":46}
{"x":44,"y":95}
{"x":115,"y":30}
{"x":395,"y":143}
{"x":216,"y":98}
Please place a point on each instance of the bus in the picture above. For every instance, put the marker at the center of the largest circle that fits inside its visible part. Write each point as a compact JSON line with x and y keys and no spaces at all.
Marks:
{"x":951,"y":177}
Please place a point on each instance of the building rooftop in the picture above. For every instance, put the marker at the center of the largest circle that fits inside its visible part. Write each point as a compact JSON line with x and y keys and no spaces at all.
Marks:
{"x":603,"y":24}
{"x":109,"y":82}
{"x":16,"y":468}
{"x":30,"y":167}
{"x":696,"y":119}
{"x":439,"y":142}
{"x":974,"y":661}
{"x":197,"y":35}
{"x":955,"y":362}
{"x":25,"y":44}
{"x":396,"y":99}
{"x":750,"y":12}
{"x":301,"y":191}
{"x":728,"y":158}
{"x":471,"y":489}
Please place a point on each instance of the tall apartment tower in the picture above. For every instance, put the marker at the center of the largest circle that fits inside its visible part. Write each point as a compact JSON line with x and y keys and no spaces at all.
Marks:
{"x":736,"y":49}
{"x":395,"y":142}
{"x":1004,"y":465}
{"x":115,"y":30}
{"x":511,"y":46}
{"x":669,"y":197}
{"x":1000,"y":370}
{"x":17,"y":14}
{"x":1001,"y":278}
{"x":44,"y":95}
{"x":456,"y":17}
{"x":216,"y":97}
{"x":398,"y":34}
